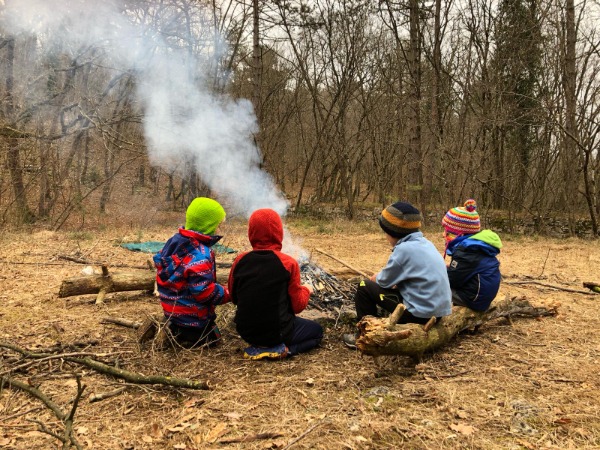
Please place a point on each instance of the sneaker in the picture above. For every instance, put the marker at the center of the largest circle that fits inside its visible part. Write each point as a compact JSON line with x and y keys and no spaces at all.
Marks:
{"x":349,"y":340}
{"x":255,"y":353}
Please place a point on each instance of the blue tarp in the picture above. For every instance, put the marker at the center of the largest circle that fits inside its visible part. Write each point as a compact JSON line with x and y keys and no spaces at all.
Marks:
{"x":155,"y":246}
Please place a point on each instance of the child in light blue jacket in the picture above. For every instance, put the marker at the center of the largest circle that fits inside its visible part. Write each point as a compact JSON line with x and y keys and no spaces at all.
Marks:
{"x":414,"y":275}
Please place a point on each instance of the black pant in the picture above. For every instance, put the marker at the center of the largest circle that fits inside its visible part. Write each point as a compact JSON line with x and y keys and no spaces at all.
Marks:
{"x":191,"y":337}
{"x":369,"y":295}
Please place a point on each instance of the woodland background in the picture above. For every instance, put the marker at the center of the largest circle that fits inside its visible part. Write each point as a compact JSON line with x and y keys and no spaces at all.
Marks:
{"x":357,"y":102}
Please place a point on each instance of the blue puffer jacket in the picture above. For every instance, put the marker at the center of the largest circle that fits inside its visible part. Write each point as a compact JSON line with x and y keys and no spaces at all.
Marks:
{"x":474,"y":271}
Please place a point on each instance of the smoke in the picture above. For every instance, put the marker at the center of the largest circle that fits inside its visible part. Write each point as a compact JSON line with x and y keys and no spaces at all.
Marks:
{"x":184,"y":122}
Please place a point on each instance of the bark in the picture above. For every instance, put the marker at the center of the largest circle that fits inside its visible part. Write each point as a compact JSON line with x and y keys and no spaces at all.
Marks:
{"x":115,"y":282}
{"x":377,"y":337}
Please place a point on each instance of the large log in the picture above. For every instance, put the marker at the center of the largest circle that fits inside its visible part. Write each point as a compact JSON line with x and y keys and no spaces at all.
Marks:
{"x":107,"y":282}
{"x":112,"y":282}
{"x":379,"y":337}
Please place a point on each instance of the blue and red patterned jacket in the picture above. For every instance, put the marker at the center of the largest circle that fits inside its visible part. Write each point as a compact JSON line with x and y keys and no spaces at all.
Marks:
{"x":187,"y":280}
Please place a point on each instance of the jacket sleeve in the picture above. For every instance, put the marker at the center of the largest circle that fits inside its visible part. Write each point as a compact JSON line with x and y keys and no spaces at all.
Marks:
{"x":299,"y":295}
{"x":202,"y":283}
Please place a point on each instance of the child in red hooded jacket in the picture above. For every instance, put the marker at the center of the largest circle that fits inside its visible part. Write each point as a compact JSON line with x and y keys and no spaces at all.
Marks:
{"x":265,"y":285}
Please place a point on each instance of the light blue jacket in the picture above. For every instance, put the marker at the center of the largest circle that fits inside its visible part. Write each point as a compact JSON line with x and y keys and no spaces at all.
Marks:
{"x":419,"y":272}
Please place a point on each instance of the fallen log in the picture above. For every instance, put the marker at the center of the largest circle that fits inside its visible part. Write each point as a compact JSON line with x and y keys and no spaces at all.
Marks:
{"x":112,"y":282}
{"x":379,"y":337}
{"x":102,"y":284}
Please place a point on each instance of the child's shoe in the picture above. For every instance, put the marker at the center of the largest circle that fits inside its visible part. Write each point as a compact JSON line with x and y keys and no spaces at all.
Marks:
{"x":277,"y":352}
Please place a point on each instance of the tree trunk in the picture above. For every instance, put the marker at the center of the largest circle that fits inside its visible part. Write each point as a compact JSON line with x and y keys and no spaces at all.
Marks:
{"x":13,"y":158}
{"x":378,"y":338}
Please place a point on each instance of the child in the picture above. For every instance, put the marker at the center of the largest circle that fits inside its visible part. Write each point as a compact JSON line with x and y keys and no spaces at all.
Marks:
{"x":265,"y":285}
{"x":415,"y":273}
{"x":474,"y":270}
{"x":186,"y":276}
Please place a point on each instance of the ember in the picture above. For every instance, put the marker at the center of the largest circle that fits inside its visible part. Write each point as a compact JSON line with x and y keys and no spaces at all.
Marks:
{"x":330,"y":293}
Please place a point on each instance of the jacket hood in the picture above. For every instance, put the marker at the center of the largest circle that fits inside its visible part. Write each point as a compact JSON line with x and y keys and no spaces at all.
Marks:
{"x":265,"y":230}
{"x":485,"y":241}
{"x":489,"y":237}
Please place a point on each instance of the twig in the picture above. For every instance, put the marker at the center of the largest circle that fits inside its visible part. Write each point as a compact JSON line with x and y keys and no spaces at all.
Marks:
{"x":46,"y":358}
{"x":35,"y":393}
{"x":302,"y":435}
{"x":97,"y":263}
{"x":104,"y":395}
{"x":139,"y":378}
{"x":22,"y":413}
{"x":69,"y":419}
{"x":544,"y":265}
{"x":360,"y":272}
{"x":560,"y":288}
{"x":116,"y":372}
{"x":252,"y":437}
{"x":121,"y":322}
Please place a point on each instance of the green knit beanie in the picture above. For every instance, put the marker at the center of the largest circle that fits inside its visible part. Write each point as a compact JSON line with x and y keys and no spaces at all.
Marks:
{"x":204,"y":215}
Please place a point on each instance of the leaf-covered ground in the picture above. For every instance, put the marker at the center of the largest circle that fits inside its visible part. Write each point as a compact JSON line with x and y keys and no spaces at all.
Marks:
{"x":522,"y":384}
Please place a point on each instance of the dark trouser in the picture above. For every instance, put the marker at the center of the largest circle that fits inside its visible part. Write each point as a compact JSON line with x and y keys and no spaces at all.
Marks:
{"x":456,"y":300}
{"x":306,"y":336}
{"x":190,"y":337}
{"x":369,"y":295}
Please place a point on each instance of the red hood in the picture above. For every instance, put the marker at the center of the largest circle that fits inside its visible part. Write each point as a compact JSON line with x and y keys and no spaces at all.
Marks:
{"x":265,"y":230}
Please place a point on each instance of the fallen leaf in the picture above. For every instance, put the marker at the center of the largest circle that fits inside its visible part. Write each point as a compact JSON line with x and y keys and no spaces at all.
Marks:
{"x":180,"y":446}
{"x":81,"y":430}
{"x":360,"y":438}
{"x":233,"y":415}
{"x":5,"y":441}
{"x":193,"y":402}
{"x":461,"y":428}
{"x":310,"y":382}
{"x":216,"y":432}
{"x":526,"y":444}
{"x":462,"y":414}
{"x":147,"y":439}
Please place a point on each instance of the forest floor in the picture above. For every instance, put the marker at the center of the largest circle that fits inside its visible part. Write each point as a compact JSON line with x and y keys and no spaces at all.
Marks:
{"x":522,"y":383}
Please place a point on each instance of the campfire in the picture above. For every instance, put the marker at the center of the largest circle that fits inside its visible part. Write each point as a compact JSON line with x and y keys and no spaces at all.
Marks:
{"x":330,"y":293}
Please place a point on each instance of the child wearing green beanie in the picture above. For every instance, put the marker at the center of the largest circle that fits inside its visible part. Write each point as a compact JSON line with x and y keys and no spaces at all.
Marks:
{"x":186,"y":276}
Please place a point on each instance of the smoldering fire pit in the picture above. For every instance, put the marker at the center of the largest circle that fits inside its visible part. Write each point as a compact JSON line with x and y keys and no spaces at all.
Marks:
{"x":330,"y":294}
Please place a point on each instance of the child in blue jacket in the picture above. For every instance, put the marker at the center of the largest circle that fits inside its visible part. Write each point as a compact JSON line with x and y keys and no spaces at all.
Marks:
{"x":414,"y":275}
{"x":474,"y":270}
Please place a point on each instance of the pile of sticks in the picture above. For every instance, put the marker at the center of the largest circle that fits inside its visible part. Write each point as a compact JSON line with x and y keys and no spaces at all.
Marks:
{"x":330,"y":293}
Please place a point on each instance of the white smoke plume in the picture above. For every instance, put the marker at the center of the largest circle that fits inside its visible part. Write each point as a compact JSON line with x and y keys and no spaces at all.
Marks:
{"x":183,"y":120}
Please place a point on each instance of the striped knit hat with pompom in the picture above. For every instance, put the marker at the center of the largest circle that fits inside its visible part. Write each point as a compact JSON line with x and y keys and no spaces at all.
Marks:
{"x":462,"y":219}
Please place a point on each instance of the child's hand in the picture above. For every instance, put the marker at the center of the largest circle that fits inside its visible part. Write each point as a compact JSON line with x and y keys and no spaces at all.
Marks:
{"x":309,"y":287}
{"x":373,"y":277}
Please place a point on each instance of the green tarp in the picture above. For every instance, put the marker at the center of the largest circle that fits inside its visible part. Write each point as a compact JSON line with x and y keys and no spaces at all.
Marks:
{"x":155,"y":246}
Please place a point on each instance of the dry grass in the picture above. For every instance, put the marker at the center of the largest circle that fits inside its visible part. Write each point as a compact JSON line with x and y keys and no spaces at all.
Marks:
{"x":516,"y":384}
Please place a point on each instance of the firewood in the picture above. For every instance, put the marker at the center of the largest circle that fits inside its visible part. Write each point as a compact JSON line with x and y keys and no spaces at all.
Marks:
{"x":378,"y":338}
